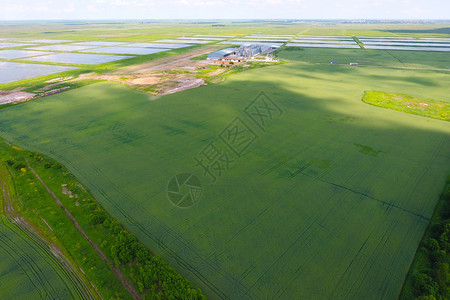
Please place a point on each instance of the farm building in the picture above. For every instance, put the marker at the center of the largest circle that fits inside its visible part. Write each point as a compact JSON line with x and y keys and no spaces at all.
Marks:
{"x":221,"y":53}
{"x":241,"y":54}
{"x":229,"y":60}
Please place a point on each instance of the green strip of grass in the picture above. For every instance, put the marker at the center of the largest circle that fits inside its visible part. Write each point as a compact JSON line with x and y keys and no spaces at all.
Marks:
{"x":423,"y":107}
{"x":200,"y":57}
{"x":429,"y":275}
{"x":36,"y":85}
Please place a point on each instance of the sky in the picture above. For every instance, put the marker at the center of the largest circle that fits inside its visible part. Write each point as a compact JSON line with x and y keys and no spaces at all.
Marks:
{"x":223,"y":9}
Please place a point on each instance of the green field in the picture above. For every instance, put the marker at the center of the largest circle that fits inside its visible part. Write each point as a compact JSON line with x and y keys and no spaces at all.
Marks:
{"x":331,"y":199}
{"x":29,"y":272}
{"x":423,"y":107}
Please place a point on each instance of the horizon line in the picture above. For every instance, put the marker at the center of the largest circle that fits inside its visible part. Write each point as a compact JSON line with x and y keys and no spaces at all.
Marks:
{"x":237,"y":19}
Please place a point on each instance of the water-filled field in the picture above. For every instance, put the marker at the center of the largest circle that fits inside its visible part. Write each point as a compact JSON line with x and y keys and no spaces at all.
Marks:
{"x":258,"y":40}
{"x":406,"y":48}
{"x":338,"y":38}
{"x":13,"y":45}
{"x":13,"y":54}
{"x":100,"y":43}
{"x":274,"y":44}
{"x":213,"y":35}
{"x":271,"y":36}
{"x":202,"y":38}
{"x":317,"y":45}
{"x":323,"y":197}
{"x":79,"y":58}
{"x":411,"y":44}
{"x":13,"y":71}
{"x":386,"y":37}
{"x":158,"y":45}
{"x":127,"y":50}
{"x":65,"y":47}
{"x":49,"y":41}
{"x":170,"y":41}
{"x":324,"y":41}
{"x":387,"y":40}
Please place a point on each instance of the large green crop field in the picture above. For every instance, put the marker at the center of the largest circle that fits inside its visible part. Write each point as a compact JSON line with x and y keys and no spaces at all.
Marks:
{"x":27,"y":271}
{"x":329,"y":201}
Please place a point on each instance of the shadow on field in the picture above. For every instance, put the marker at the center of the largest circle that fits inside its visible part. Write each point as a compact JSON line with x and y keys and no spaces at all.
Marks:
{"x":408,"y":79}
{"x":330,"y":171}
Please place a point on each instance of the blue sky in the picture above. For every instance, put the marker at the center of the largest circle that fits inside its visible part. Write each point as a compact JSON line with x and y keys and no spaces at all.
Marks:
{"x":223,"y":9}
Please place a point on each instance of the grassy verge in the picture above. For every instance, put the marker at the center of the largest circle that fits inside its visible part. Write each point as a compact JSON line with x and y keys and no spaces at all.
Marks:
{"x":33,"y":87}
{"x":233,"y":69}
{"x":423,"y":107}
{"x":429,"y":275}
{"x":360,"y":44}
{"x":200,"y":57}
{"x":151,"y":276}
{"x":37,"y":206}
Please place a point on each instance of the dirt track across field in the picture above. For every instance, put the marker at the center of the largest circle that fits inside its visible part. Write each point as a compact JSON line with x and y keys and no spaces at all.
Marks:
{"x":169,"y":63}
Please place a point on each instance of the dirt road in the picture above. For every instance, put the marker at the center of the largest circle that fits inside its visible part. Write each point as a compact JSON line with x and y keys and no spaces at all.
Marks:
{"x":168,"y":63}
{"x":115,"y":270}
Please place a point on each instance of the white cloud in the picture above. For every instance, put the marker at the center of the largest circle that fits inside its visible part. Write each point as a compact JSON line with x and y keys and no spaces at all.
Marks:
{"x":91,"y":8}
{"x":69,"y":8}
{"x":120,"y":3}
{"x":143,"y":3}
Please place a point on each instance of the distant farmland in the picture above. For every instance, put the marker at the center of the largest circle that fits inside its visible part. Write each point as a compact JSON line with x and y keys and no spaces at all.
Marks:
{"x":330,"y":200}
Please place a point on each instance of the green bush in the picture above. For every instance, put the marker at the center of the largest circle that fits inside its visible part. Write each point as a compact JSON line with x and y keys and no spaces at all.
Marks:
{"x":425,"y":285}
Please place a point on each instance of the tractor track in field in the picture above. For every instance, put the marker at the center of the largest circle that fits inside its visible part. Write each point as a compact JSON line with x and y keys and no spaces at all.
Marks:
{"x":115,"y":270}
{"x":301,"y":169}
{"x":30,"y":231}
{"x":389,"y":204}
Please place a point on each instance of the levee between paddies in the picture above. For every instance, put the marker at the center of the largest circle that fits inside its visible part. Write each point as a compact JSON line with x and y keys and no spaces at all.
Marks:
{"x":317,"y":196}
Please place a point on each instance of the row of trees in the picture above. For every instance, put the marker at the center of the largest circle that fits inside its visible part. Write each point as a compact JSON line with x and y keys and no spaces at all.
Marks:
{"x":432,"y":281}
{"x":153,"y":276}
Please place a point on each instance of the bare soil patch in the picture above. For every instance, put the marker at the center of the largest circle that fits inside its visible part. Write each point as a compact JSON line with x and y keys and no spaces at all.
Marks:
{"x":150,"y":80}
{"x":184,"y":84}
{"x":15,"y":96}
{"x":163,"y":76}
